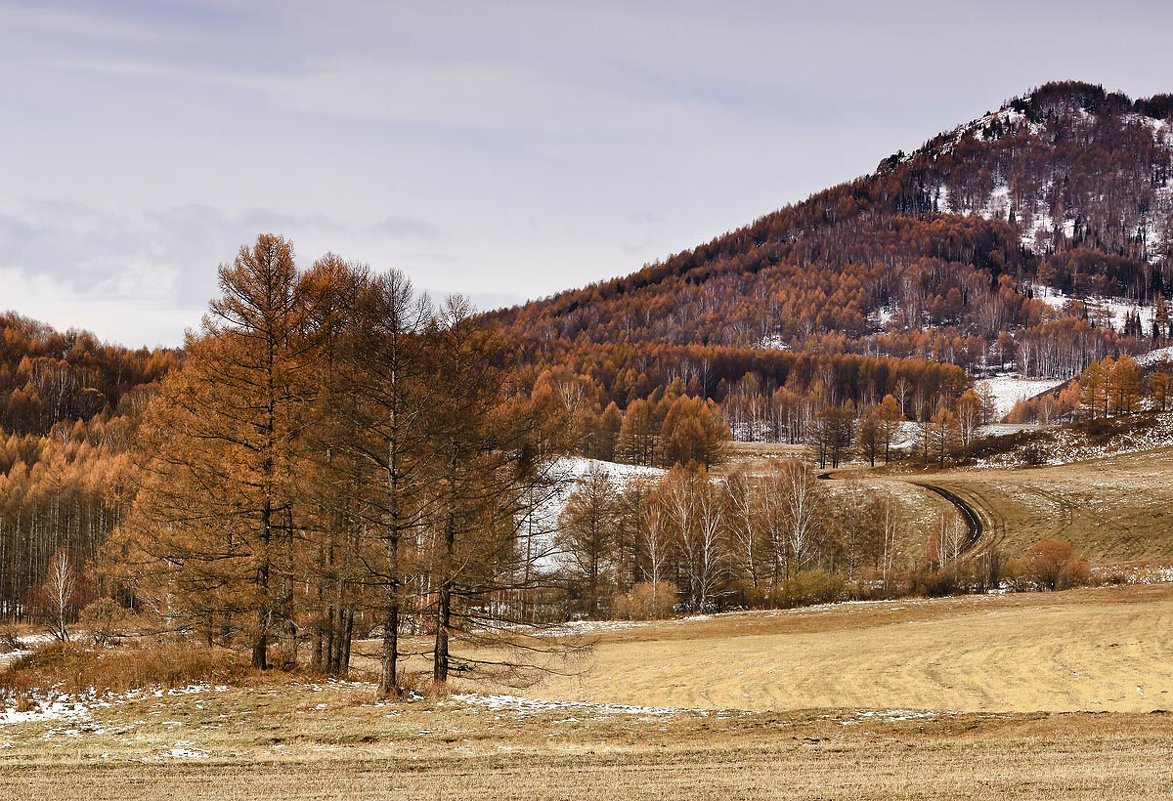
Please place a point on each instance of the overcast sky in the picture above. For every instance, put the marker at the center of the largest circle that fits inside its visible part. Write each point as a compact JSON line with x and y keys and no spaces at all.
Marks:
{"x":506,"y":150}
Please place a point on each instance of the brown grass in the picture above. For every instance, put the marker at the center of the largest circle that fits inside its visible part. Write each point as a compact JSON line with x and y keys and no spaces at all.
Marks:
{"x":76,"y":668}
{"x":333,"y":742}
{"x":1113,"y":510}
{"x":285,"y":737}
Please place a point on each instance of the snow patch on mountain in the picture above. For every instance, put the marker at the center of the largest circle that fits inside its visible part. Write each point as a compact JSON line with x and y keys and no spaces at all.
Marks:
{"x":1103,"y":311}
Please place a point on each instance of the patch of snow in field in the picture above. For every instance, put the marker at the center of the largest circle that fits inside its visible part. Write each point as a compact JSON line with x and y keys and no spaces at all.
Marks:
{"x":27,"y":645}
{"x":525,"y":707}
{"x":574,"y":628}
{"x":1062,"y":445}
{"x":55,"y":708}
{"x":1002,"y":429}
{"x":1009,"y":388}
{"x":1147,"y":574}
{"x":182,"y":750}
{"x":50,"y":706}
{"x":893,"y":716}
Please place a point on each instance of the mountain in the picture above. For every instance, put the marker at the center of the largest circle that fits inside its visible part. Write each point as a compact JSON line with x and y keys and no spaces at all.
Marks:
{"x":941,"y":257}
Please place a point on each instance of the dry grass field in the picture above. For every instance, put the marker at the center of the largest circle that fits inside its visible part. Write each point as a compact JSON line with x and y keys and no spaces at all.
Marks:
{"x":457,"y":752}
{"x":1093,"y":649}
{"x":894,"y":700}
{"x":1113,"y":510}
{"x":1116,"y":510}
{"x":1026,"y":696}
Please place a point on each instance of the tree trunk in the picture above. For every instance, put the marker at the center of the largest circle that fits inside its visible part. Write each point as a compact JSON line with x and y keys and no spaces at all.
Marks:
{"x":388,"y":674}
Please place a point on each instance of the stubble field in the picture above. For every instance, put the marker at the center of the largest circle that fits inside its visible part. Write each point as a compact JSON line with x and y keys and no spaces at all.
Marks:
{"x":895,"y":700}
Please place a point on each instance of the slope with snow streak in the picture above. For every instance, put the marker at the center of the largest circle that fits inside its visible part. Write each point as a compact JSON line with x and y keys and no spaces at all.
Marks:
{"x":564,"y":475}
{"x":1008,"y":389}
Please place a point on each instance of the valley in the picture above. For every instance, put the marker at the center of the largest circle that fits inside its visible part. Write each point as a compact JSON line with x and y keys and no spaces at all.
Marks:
{"x":868,"y":497}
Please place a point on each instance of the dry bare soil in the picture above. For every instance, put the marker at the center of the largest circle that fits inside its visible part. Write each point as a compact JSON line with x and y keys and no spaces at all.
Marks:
{"x":897,"y":700}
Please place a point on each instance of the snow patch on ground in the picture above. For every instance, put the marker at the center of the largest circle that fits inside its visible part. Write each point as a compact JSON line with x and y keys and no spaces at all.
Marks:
{"x":890,"y":716}
{"x":1104,"y":311}
{"x":882,"y":317}
{"x":1147,"y":574}
{"x":56,"y":706}
{"x":182,"y":750}
{"x":525,"y":707}
{"x":1009,"y":388}
{"x":1154,"y":357}
{"x":566,"y":473}
{"x":1062,"y":445}
{"x":563,"y":476}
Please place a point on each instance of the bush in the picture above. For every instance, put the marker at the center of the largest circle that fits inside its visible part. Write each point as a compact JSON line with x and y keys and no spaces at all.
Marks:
{"x":1034,"y":454}
{"x":1049,"y":565}
{"x":645,"y":601}
{"x":106,"y":620}
{"x":815,"y":587}
{"x":9,"y":640}
{"x":933,"y":582}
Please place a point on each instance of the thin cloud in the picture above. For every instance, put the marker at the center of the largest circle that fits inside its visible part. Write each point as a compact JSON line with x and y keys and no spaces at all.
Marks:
{"x":406,"y":228}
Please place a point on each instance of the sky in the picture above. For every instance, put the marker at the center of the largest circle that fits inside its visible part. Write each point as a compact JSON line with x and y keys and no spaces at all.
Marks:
{"x":504,"y":150}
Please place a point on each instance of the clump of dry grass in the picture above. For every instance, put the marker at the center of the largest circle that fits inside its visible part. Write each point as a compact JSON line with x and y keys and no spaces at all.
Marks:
{"x":77,"y":668}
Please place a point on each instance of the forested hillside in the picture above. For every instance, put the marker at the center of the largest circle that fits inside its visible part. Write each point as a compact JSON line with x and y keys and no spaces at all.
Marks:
{"x":937,"y":261}
{"x":69,"y":405}
{"x":336,"y":453}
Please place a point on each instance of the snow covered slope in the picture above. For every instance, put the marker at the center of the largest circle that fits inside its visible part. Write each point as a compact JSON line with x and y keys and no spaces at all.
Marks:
{"x":1009,"y":388}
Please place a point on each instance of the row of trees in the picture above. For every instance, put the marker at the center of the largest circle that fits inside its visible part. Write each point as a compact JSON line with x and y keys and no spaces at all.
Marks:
{"x":1106,"y":388}
{"x":687,"y":541}
{"x":334,"y":454}
{"x":662,"y":430}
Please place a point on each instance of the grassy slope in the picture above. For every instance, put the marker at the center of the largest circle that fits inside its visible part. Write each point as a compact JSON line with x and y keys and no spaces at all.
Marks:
{"x":1112,"y":510}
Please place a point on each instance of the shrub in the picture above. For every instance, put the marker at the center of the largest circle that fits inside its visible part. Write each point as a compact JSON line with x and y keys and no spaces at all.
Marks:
{"x":645,"y":601}
{"x":9,"y":640}
{"x":816,"y":587}
{"x":1034,"y":454}
{"x":1049,"y":565}
{"x":106,"y":620}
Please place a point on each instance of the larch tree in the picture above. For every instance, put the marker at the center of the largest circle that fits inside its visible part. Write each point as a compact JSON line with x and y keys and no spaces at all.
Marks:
{"x":491,"y":448}
{"x":383,"y":401}
{"x":586,"y":533}
{"x":217,"y":505}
